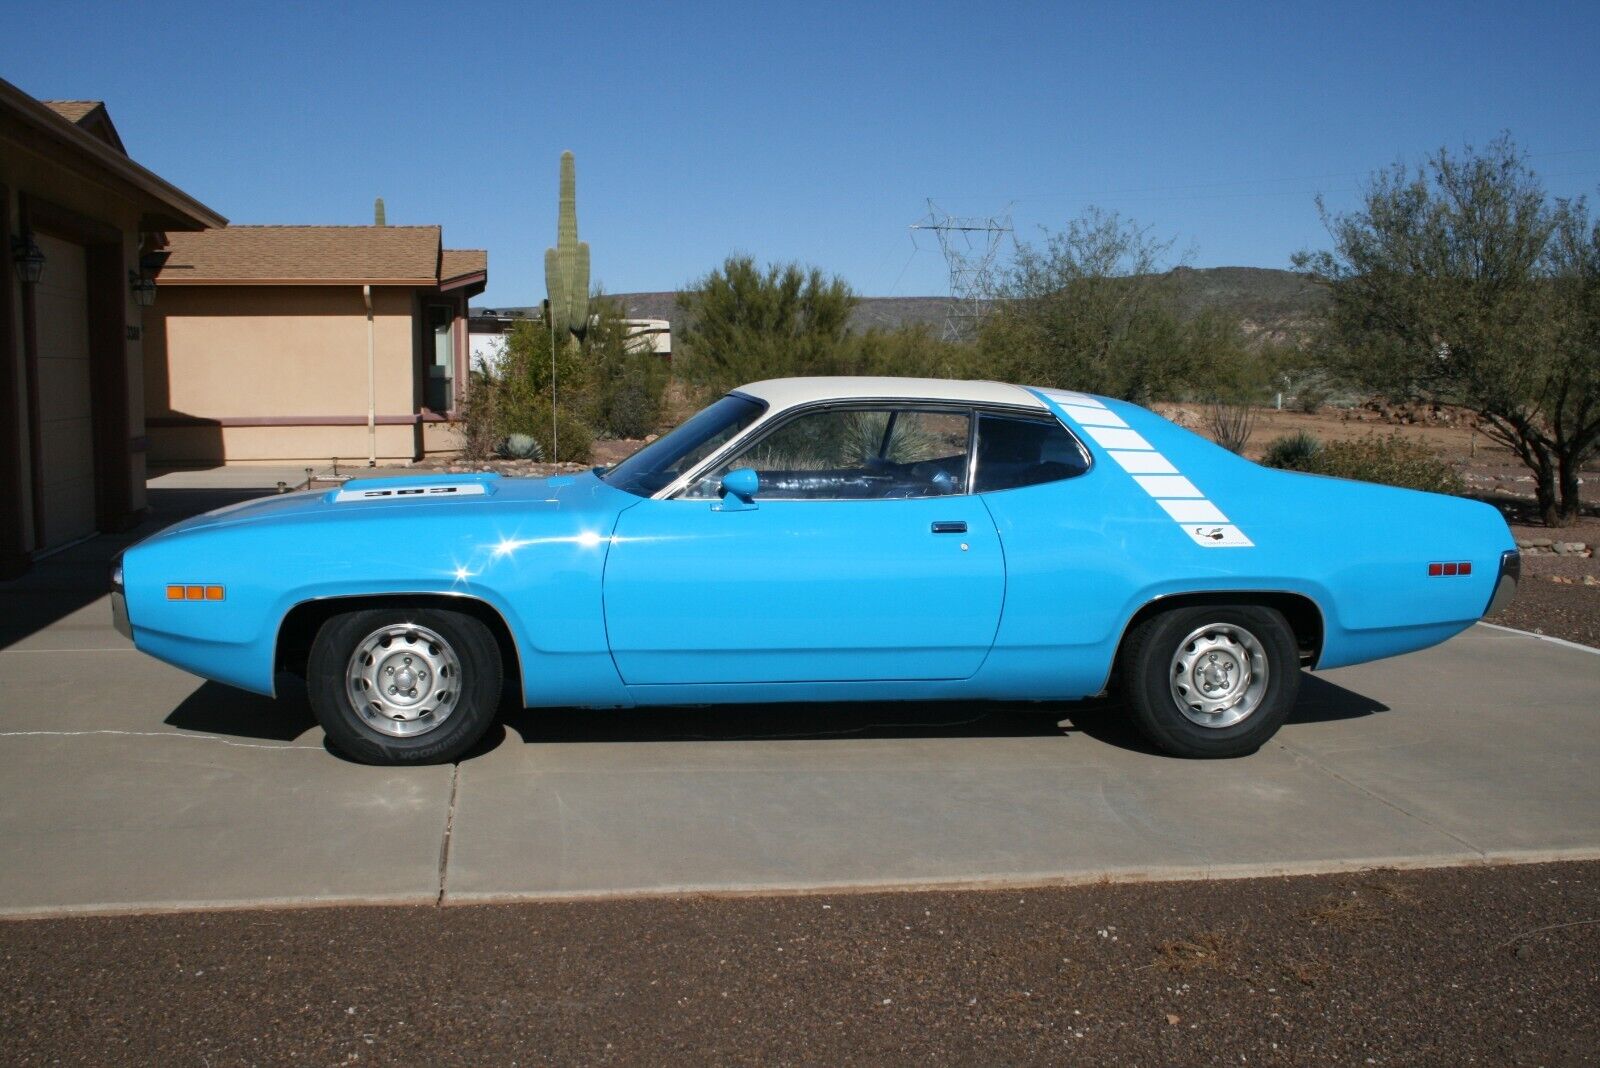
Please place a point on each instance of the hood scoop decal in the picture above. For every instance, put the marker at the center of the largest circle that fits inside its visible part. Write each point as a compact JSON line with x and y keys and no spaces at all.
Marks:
{"x":426,"y":487}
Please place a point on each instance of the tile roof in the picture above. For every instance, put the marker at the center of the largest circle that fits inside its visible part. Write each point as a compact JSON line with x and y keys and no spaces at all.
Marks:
{"x":394,"y":255}
{"x":455,"y":262}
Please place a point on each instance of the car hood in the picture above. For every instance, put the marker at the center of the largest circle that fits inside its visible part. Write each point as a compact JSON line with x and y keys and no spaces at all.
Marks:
{"x":390,"y":498}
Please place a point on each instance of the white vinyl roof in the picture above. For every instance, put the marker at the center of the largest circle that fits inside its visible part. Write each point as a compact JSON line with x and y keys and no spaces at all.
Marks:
{"x":782,"y":393}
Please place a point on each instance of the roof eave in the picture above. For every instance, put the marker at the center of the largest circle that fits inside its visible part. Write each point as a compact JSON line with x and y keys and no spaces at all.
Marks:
{"x":177,"y":210}
{"x":471,"y":278}
{"x":416,"y":283}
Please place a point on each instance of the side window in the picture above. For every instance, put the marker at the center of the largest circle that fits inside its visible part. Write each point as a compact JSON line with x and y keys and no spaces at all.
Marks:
{"x":1015,"y":452}
{"x":856,"y":454}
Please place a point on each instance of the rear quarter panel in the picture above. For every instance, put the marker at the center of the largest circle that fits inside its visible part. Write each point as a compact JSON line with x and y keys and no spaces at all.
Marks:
{"x":1084,"y":555}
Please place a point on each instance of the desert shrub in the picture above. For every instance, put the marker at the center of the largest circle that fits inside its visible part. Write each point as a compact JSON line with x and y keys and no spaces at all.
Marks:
{"x":573,"y":435}
{"x":1310,"y":399}
{"x":520,"y":447}
{"x":1231,"y":424}
{"x":607,"y":383}
{"x":479,"y":433}
{"x":741,"y":323}
{"x":914,"y":350}
{"x":1293,"y":452}
{"x":1391,"y":460}
{"x":624,"y":380}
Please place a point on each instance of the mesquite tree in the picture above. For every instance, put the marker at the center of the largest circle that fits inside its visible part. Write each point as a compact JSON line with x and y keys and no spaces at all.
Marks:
{"x":1464,"y":282}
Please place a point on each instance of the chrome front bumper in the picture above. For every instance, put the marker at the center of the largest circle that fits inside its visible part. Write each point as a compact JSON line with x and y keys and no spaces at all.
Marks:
{"x":119,"y":615}
{"x":119,"y":601}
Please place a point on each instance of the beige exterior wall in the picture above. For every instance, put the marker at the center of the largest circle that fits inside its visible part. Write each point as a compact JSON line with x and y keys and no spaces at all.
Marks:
{"x":311,"y":445}
{"x":292,"y":356}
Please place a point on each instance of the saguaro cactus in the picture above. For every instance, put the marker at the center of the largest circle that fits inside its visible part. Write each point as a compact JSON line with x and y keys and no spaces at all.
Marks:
{"x":566,"y":267}
{"x":379,"y":218}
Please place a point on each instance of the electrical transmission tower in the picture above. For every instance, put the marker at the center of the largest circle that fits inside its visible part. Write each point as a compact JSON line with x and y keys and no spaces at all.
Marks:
{"x":971,"y":247}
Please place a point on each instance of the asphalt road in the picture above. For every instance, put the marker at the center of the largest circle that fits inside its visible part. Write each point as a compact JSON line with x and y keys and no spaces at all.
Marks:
{"x":1456,"y":966}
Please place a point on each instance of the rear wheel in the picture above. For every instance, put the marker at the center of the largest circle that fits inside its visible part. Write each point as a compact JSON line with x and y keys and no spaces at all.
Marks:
{"x":404,"y":685}
{"x":1211,"y":681}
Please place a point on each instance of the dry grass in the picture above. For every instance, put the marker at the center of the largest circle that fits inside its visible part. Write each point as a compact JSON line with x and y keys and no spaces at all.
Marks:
{"x":1345,"y":912}
{"x":1305,"y":972}
{"x":1206,"y":951}
{"x":1393,"y":891}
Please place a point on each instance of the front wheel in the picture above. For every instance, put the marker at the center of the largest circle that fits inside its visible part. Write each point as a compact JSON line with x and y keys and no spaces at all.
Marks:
{"x":404,"y":685}
{"x":1211,"y":681}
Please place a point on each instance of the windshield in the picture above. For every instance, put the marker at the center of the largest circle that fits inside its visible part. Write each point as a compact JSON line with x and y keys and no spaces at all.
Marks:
{"x":657,"y":465}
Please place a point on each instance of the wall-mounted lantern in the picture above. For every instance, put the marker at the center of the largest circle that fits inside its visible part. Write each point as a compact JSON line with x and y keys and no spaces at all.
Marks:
{"x":29,"y":259}
{"x":143,"y":288}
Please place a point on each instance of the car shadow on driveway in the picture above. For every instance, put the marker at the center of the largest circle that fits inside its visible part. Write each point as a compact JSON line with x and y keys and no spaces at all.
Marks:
{"x":218,"y":709}
{"x":1102,"y":719}
{"x":222,"y":710}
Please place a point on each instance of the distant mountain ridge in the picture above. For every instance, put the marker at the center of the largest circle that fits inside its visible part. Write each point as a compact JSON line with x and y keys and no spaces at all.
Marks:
{"x":1277,"y":304}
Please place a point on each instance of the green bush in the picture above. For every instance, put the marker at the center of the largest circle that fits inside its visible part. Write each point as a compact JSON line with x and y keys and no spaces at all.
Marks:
{"x":624,"y":380}
{"x":608,"y":383}
{"x":1390,"y":460}
{"x":574,"y":436}
{"x":1293,"y":452}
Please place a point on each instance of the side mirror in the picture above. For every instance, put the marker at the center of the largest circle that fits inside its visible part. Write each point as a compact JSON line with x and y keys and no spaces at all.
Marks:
{"x":739,"y":488}
{"x":742,"y":483}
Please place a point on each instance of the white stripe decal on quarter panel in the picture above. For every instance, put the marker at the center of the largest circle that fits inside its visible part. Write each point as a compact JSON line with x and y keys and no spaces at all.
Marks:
{"x":1144,"y":463}
{"x":1201,"y":511}
{"x":1202,"y":521}
{"x":1067,"y":396}
{"x":1112,"y":438}
{"x":1093,"y":416}
{"x":1167,"y":486}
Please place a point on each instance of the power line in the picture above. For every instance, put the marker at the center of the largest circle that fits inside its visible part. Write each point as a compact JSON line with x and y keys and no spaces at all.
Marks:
{"x":971,"y":246}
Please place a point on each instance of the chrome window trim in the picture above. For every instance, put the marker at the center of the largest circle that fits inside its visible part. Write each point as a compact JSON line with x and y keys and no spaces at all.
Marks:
{"x":776,"y":420}
{"x":771,"y":420}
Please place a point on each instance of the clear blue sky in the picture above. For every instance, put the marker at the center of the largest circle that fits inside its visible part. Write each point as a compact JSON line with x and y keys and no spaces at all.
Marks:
{"x":811,"y":131}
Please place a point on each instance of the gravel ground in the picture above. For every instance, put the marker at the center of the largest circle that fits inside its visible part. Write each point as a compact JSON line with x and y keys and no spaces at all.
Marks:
{"x":1453,"y":966}
{"x":1559,"y":595}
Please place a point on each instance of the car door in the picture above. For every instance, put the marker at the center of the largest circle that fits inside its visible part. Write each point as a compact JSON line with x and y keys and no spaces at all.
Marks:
{"x":860,"y":557}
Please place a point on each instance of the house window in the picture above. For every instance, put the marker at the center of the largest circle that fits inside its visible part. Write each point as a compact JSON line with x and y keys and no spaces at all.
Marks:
{"x":441,"y":385}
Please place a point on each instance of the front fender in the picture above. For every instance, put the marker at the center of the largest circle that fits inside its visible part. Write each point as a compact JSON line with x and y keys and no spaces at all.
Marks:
{"x":537,"y":563}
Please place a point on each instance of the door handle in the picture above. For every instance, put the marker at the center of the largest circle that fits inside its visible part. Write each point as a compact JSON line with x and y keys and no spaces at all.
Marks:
{"x":949,"y":526}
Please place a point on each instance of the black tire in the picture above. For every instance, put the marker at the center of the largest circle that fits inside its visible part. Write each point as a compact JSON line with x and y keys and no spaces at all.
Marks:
{"x":477,"y":685}
{"x":1147,"y":668}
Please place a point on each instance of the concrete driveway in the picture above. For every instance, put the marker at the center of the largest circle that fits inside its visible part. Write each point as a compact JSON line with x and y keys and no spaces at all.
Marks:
{"x":126,"y":784}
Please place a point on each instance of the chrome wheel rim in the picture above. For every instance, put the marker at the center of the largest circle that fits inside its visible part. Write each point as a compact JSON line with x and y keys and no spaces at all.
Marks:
{"x":1219,"y":675}
{"x":403,"y":680}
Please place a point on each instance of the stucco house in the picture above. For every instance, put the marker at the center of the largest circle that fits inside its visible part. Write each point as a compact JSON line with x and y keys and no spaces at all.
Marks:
{"x":307,"y":343}
{"x":79,"y":217}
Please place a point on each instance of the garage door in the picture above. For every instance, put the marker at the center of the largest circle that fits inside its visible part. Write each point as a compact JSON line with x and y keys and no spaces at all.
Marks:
{"x":66,"y":427}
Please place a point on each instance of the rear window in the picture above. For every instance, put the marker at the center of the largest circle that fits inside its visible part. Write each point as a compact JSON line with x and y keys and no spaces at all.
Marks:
{"x":1014,"y":452}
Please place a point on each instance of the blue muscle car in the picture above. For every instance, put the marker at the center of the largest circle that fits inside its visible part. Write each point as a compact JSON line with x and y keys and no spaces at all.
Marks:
{"x":824,"y":539}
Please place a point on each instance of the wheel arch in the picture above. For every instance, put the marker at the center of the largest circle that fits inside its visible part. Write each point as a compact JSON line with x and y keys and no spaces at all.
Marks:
{"x":300,"y":624}
{"x":1305,"y":617}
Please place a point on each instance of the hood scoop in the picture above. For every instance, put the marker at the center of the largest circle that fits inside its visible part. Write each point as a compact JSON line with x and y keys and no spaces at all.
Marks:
{"x":421,"y":487}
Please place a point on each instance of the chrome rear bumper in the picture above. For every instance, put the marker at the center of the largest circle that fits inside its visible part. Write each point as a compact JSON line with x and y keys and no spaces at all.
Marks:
{"x":1505,"y":585}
